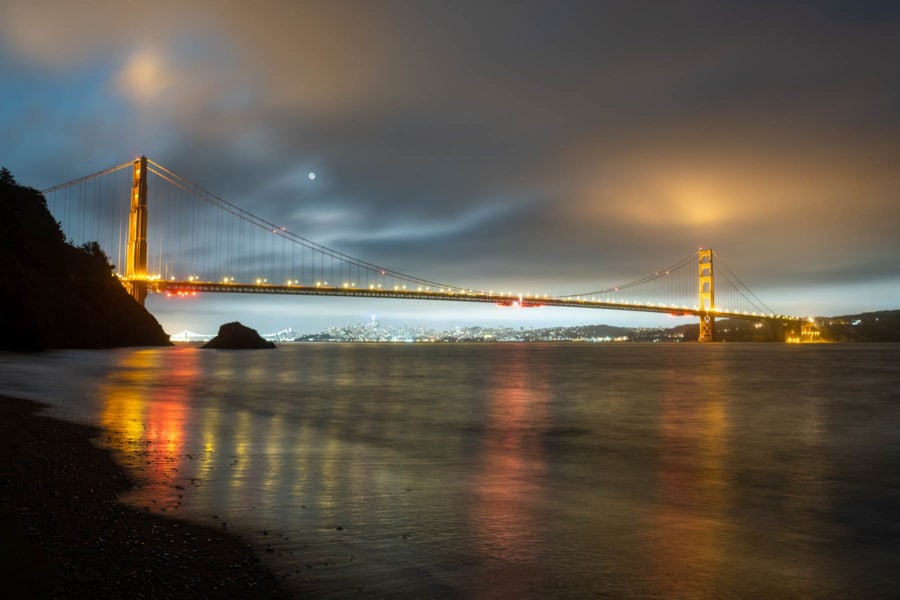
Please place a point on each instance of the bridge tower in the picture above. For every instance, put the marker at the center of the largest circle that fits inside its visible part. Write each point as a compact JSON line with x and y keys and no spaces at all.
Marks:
{"x":706,"y":295}
{"x":136,"y":255}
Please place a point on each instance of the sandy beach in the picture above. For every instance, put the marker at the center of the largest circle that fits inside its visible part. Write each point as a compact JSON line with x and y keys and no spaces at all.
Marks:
{"x":65,"y":535}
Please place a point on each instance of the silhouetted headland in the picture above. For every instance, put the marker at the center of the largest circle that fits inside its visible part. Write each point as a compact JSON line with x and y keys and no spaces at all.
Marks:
{"x":56,"y":295}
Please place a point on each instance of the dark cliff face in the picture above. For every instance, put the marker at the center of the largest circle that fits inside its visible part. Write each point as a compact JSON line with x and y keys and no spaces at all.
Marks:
{"x":54,"y":295}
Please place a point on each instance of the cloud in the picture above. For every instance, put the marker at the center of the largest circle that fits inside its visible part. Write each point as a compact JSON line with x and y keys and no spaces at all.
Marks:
{"x":145,"y":77}
{"x":571,"y":143}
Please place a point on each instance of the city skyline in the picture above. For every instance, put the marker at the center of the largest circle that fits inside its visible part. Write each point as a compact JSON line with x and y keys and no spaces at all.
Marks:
{"x":556,"y":148}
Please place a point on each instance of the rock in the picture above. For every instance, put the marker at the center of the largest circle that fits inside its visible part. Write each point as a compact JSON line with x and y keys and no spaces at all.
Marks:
{"x":234,"y":336}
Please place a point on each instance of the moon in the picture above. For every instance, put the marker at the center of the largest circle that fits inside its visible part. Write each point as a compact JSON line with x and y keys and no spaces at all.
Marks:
{"x":312,"y":175}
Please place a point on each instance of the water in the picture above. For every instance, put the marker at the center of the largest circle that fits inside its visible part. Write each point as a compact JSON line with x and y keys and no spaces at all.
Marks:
{"x":514,"y":471}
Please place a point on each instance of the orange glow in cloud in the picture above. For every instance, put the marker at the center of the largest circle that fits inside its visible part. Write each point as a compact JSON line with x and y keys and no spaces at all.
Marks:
{"x":695,"y":183}
{"x":683,"y":201}
{"x":658,"y":197}
{"x":145,"y":76}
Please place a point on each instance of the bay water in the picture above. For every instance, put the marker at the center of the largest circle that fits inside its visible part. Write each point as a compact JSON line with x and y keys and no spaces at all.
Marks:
{"x":513,"y":470}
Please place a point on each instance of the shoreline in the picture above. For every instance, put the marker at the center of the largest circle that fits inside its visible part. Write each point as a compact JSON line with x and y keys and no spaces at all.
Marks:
{"x":65,"y":534}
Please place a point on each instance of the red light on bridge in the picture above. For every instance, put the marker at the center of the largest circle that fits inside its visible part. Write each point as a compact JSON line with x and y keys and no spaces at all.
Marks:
{"x":520,"y":304}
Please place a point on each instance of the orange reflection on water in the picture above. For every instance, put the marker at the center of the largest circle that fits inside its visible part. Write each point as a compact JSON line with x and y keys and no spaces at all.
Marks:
{"x":688,"y":533}
{"x":146,"y":422}
{"x":508,"y":482}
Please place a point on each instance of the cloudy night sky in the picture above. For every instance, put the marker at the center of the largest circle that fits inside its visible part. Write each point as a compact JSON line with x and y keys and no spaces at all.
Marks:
{"x":562,"y":146}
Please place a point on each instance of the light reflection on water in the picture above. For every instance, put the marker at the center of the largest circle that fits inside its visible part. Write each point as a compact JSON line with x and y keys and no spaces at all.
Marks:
{"x":508,"y":474}
{"x":145,"y":424}
{"x":688,"y":528}
{"x":514,"y":471}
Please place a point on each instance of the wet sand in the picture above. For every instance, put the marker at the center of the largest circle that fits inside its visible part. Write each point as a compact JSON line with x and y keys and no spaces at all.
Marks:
{"x":63,"y":533}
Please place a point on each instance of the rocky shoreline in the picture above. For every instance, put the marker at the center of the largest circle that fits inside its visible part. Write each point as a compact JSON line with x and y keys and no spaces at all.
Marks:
{"x":65,"y":535}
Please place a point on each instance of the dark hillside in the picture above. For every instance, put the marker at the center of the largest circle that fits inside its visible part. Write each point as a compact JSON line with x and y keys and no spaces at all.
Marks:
{"x":881,"y":326}
{"x":54,"y":295}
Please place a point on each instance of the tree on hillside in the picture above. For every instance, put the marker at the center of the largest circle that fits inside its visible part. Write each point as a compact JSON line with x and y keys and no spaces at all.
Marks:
{"x":6,"y":177}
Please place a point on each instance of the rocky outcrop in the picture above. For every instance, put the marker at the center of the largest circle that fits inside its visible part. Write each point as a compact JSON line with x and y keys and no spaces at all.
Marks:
{"x":55,"y":295}
{"x":234,"y":336}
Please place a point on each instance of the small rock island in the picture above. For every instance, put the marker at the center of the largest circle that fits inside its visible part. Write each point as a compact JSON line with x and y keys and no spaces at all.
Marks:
{"x":235,"y":336}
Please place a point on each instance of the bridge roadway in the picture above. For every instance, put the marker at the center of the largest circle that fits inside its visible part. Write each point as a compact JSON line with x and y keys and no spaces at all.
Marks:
{"x":456,"y":295}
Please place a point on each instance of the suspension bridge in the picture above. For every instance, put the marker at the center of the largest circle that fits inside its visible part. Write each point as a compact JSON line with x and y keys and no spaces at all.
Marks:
{"x":173,"y":237}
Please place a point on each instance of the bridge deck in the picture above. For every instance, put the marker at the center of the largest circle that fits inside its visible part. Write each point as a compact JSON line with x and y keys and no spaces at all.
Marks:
{"x":175,"y":287}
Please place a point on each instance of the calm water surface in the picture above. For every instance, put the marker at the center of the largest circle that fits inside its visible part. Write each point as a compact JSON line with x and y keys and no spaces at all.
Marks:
{"x":514,"y":471}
